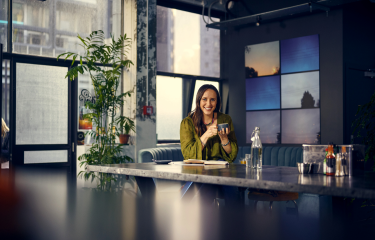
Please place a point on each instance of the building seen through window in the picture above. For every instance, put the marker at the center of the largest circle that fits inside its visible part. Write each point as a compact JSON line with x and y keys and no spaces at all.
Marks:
{"x":49,"y":28}
{"x":184,"y":46}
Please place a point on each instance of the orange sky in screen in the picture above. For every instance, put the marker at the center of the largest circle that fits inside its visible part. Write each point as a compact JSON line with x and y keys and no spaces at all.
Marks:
{"x":264,"y":58}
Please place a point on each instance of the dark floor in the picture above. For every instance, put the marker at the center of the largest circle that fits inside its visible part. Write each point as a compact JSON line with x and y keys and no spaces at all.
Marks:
{"x":53,"y":204}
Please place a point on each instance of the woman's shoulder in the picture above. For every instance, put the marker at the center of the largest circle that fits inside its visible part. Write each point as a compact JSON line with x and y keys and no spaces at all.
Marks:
{"x":187,"y":120}
{"x":223,"y":116}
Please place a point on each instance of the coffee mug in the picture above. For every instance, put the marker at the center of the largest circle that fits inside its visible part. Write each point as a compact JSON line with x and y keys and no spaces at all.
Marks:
{"x":222,"y":126}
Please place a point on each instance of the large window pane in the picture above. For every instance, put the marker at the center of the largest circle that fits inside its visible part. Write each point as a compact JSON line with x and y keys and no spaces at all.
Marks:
{"x":200,"y":83}
{"x":49,"y":28}
{"x":168,"y":107}
{"x":41,"y":104}
{"x":185,"y":45}
{"x":3,"y":23}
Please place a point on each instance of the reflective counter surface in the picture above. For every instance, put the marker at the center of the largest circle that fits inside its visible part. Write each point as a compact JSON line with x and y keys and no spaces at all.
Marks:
{"x":54,"y":204}
{"x":270,"y":177}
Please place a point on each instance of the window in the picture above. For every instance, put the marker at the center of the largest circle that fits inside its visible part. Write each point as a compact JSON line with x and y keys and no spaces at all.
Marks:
{"x":3,"y":23}
{"x":282,"y":90}
{"x":169,"y":107}
{"x":185,"y":50}
{"x":34,"y":32}
{"x":183,"y":44}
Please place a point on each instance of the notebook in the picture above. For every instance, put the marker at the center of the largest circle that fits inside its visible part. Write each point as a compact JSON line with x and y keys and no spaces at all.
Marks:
{"x":196,"y":161}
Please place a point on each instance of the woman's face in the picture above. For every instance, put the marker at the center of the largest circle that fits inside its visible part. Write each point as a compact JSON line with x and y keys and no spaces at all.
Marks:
{"x":208,"y":102}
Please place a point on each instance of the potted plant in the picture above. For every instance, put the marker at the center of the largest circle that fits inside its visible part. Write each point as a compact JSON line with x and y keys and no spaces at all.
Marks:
{"x":126,"y":125}
{"x":365,"y":124}
{"x":104,"y":64}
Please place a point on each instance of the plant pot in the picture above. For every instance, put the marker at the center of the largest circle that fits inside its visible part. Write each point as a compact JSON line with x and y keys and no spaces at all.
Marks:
{"x":124,"y":138}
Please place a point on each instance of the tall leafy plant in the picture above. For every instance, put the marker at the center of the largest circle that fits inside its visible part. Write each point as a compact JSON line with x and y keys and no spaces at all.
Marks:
{"x":104,"y":65}
{"x":366,"y":123}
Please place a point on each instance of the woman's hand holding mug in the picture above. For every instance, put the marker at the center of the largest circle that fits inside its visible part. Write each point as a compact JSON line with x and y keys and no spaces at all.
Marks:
{"x":211,"y":131}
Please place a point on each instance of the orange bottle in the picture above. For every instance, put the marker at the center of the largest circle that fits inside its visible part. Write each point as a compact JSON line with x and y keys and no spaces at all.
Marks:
{"x":331,"y":162}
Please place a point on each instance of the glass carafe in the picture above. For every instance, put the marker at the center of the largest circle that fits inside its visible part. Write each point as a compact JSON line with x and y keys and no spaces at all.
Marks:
{"x":256,"y":149}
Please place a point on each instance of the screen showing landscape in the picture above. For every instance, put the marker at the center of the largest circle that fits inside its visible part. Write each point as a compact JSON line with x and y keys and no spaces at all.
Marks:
{"x":262,"y":59}
{"x":269,"y":124}
{"x":282,"y":90}
{"x":263,"y":93}
{"x":300,"y":126}
{"x":300,"y":90}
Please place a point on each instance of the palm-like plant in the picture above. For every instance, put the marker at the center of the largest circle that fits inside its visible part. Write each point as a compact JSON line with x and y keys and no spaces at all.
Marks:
{"x":104,"y":65}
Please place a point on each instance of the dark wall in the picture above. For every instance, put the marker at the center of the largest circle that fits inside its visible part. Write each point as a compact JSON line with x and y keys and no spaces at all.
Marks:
{"x":330,"y":30}
{"x":359,"y":55}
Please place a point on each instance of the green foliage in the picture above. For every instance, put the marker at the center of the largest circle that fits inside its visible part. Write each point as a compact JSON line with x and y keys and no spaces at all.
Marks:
{"x":104,"y":65}
{"x":125,"y":124}
{"x":366,"y":122}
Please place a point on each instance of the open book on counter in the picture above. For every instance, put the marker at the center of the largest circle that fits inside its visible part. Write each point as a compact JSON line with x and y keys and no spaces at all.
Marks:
{"x":206,"y":162}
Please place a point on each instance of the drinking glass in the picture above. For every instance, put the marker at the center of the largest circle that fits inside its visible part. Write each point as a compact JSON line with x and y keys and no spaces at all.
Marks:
{"x":248,"y":160}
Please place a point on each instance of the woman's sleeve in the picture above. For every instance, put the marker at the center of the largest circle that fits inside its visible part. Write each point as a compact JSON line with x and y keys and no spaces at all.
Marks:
{"x":233,"y":143}
{"x":191,"y":146}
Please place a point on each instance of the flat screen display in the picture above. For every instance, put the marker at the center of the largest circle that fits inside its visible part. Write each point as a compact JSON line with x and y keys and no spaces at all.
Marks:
{"x":300,"y":126}
{"x":282,"y":90}
{"x":262,"y":59}
{"x":300,"y":54}
{"x":269,"y":124}
{"x":263,"y":93}
{"x":300,"y":90}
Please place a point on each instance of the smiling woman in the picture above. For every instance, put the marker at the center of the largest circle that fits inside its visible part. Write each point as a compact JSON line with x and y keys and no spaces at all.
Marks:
{"x":199,"y":135}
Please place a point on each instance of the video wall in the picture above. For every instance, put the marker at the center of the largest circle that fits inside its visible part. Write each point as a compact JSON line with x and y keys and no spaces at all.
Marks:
{"x":282,"y":90}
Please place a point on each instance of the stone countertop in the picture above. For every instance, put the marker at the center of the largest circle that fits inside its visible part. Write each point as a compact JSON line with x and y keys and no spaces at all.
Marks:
{"x":270,"y":177}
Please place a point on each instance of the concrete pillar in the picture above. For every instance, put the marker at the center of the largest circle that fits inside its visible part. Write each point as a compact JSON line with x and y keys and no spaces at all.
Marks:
{"x":140,"y":26}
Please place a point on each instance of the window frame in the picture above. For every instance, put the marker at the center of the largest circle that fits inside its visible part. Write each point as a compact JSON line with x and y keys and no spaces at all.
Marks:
{"x":196,"y":10}
{"x":194,"y":78}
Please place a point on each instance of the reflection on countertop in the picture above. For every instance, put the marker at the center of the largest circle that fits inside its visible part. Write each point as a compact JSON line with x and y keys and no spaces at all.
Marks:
{"x":51,"y":206}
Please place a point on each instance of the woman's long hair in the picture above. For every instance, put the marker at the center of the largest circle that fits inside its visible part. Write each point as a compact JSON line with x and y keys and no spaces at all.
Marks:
{"x":197,"y":114}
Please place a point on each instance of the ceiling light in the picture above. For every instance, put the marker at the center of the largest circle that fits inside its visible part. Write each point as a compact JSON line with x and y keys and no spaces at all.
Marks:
{"x":258,"y":21}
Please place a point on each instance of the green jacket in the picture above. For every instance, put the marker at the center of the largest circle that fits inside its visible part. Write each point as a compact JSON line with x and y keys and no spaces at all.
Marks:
{"x":191,"y":146}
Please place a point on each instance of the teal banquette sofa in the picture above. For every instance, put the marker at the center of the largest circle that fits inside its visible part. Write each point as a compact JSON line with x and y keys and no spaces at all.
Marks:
{"x":272,"y":155}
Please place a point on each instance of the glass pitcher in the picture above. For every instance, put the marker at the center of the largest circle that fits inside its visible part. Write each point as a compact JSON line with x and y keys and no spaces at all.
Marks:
{"x":256,"y":149}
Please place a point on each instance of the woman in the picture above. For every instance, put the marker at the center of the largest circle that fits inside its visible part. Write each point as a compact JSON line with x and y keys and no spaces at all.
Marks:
{"x":199,"y":136}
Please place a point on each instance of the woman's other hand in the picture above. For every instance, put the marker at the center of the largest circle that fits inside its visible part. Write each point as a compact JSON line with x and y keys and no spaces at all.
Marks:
{"x":223,"y":134}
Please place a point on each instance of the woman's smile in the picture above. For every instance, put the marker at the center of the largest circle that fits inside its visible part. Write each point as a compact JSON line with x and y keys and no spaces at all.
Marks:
{"x":208,"y":102}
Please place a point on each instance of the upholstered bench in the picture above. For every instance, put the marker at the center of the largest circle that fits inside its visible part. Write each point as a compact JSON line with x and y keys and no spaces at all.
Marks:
{"x":275,"y":156}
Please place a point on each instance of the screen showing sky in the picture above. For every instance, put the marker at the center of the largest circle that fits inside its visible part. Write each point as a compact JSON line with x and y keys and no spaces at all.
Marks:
{"x":262,"y":59}
{"x":300,"y":126}
{"x":300,"y":90}
{"x":263,"y":93}
{"x":282,"y":90}
{"x":268,"y":122}
{"x":300,"y":54}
